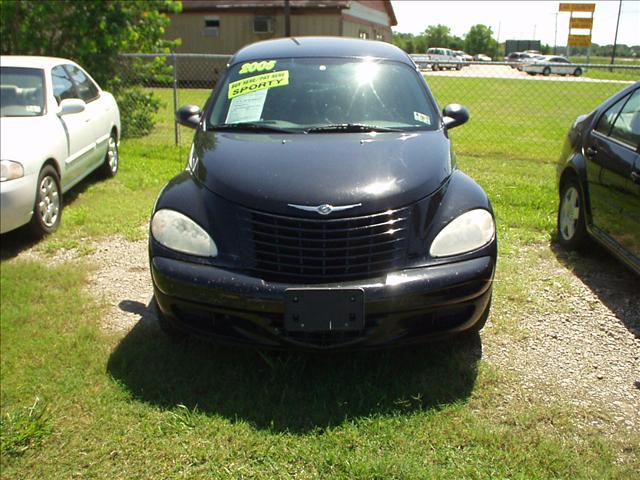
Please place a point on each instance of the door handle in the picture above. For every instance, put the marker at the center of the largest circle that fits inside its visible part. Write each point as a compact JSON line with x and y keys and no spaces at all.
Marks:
{"x":635,"y":176}
{"x":591,"y":152}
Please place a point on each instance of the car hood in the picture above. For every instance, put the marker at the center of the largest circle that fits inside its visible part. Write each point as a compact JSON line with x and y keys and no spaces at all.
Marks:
{"x":17,"y":134}
{"x":270,"y":171}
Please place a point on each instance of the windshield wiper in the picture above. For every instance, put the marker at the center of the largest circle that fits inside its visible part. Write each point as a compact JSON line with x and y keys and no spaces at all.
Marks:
{"x":351,"y":127}
{"x":250,"y":126}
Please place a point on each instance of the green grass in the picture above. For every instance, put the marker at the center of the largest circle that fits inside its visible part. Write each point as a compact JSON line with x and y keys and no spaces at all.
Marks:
{"x":79,"y":402}
{"x":523,"y":119}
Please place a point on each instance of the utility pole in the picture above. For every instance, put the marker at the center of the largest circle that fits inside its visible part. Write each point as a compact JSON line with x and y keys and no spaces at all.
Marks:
{"x":555,"y":37}
{"x":615,"y":40}
{"x":287,"y":19}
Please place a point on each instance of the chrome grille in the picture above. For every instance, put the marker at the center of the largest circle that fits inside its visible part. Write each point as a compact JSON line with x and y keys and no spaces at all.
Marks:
{"x":324,"y":250}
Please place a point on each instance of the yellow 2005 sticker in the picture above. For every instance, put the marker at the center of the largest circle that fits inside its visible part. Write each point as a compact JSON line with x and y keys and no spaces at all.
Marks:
{"x":257,"y":66}
{"x":258,"y":82}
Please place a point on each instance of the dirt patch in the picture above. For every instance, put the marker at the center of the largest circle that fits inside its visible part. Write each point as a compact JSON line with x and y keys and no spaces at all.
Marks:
{"x":581,"y":339}
{"x":123,"y":280}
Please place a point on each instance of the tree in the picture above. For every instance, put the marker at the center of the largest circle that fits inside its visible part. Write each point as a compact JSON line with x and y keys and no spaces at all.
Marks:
{"x":91,"y":32}
{"x":437,"y":36}
{"x":479,"y":39}
{"x":456,"y":43}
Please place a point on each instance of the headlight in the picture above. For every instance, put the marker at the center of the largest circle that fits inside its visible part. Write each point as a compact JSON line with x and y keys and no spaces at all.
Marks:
{"x":10,"y":170}
{"x":178,"y":232}
{"x":468,"y":232}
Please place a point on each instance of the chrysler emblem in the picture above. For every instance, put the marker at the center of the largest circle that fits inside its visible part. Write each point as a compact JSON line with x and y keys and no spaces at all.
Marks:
{"x":325,"y":208}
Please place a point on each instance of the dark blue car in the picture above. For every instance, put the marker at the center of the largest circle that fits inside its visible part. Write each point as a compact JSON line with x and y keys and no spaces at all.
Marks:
{"x":322,"y":206}
{"x":599,"y":179}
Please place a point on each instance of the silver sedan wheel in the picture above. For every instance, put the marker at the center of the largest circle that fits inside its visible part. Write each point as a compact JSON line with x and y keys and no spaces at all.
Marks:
{"x":49,"y":201}
{"x":112,"y":155}
{"x":569,"y":213}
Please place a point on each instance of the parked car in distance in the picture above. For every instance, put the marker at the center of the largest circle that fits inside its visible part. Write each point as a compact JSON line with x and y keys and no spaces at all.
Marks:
{"x":552,"y":64}
{"x":599,"y":179}
{"x":322,"y":207}
{"x":57,"y":126}
{"x":516,"y":59}
{"x":443,"y":59}
{"x":465,"y":57}
{"x":481,"y":57}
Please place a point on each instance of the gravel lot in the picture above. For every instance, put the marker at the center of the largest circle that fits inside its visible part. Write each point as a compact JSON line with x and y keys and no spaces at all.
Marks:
{"x":578,"y":343}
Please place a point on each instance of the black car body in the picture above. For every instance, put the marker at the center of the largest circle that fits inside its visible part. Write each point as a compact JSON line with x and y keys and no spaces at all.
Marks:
{"x":319,"y":215}
{"x":599,"y":178}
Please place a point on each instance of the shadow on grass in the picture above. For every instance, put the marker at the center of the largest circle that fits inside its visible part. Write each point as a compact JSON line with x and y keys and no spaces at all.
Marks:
{"x":294,"y":392}
{"x":610,"y":280}
{"x":16,"y":241}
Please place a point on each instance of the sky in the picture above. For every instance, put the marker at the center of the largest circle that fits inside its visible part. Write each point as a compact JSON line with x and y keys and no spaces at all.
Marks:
{"x":519,"y":20}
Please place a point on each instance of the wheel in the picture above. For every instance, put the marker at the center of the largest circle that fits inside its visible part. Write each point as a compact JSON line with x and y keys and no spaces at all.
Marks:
{"x":577,"y":72}
{"x":458,"y":67}
{"x":111,"y":158}
{"x":435,"y":68}
{"x":165,"y":323}
{"x":546,"y":71}
{"x":572,"y":230}
{"x":47,"y":208}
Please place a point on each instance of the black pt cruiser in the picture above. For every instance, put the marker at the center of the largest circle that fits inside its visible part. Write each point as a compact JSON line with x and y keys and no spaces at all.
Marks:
{"x":321,"y":207}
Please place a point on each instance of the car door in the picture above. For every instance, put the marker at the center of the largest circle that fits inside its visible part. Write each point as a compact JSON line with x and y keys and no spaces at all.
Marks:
{"x":613,"y":174}
{"x":564,"y":68}
{"x":97,"y":108}
{"x":80,"y":137}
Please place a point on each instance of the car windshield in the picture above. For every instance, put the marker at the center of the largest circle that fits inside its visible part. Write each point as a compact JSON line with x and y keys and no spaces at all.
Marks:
{"x":21,"y":92}
{"x":323,"y":95}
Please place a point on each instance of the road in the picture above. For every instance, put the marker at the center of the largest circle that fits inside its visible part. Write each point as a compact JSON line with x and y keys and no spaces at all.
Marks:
{"x":504,"y":71}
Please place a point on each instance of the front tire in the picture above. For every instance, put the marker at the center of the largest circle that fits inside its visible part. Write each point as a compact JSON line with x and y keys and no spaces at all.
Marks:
{"x":546,"y":72}
{"x":577,"y":72}
{"x":571,"y":226}
{"x":111,"y":158}
{"x":47,"y":208}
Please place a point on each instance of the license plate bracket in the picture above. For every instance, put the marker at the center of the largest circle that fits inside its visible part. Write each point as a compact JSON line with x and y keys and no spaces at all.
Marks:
{"x":323,"y":309}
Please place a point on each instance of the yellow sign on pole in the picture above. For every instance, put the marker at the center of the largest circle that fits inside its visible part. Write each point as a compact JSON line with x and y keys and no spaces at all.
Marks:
{"x":579,"y":41}
{"x":586,"y":23}
{"x":577,"y":7}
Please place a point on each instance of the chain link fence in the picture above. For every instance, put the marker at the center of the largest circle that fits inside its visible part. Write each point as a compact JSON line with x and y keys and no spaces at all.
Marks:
{"x":517,"y":110}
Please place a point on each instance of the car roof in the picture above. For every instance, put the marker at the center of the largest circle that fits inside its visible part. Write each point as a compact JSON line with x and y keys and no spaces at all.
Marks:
{"x":31,"y":61}
{"x":320,"y":47}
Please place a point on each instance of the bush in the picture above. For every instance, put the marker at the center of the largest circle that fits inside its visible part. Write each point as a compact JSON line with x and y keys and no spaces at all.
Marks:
{"x":137,"y":111}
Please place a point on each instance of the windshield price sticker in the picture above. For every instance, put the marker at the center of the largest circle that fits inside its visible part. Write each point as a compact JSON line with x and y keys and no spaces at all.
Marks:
{"x":421,"y":117}
{"x":257,"y":67}
{"x":247,"y":108}
{"x":258,"y":82}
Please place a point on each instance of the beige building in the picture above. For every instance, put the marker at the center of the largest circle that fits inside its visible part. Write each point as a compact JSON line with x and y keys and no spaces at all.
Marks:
{"x":224,"y":26}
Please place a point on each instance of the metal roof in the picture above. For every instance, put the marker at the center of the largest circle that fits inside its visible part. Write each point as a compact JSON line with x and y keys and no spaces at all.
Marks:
{"x":201,"y":5}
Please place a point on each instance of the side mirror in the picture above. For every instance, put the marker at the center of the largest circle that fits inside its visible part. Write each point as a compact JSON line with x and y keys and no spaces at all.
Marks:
{"x":454,"y":115}
{"x":189,"y":116}
{"x":69,"y":106}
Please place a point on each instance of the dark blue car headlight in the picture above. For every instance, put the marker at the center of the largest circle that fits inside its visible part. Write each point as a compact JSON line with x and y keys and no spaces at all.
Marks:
{"x":468,"y":232}
{"x":178,"y":232}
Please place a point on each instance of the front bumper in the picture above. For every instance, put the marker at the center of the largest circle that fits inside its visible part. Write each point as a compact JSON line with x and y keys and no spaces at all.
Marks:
{"x":404,"y":307}
{"x":16,"y":202}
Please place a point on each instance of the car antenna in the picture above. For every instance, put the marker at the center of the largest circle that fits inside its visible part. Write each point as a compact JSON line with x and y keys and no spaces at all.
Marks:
{"x":294,"y":40}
